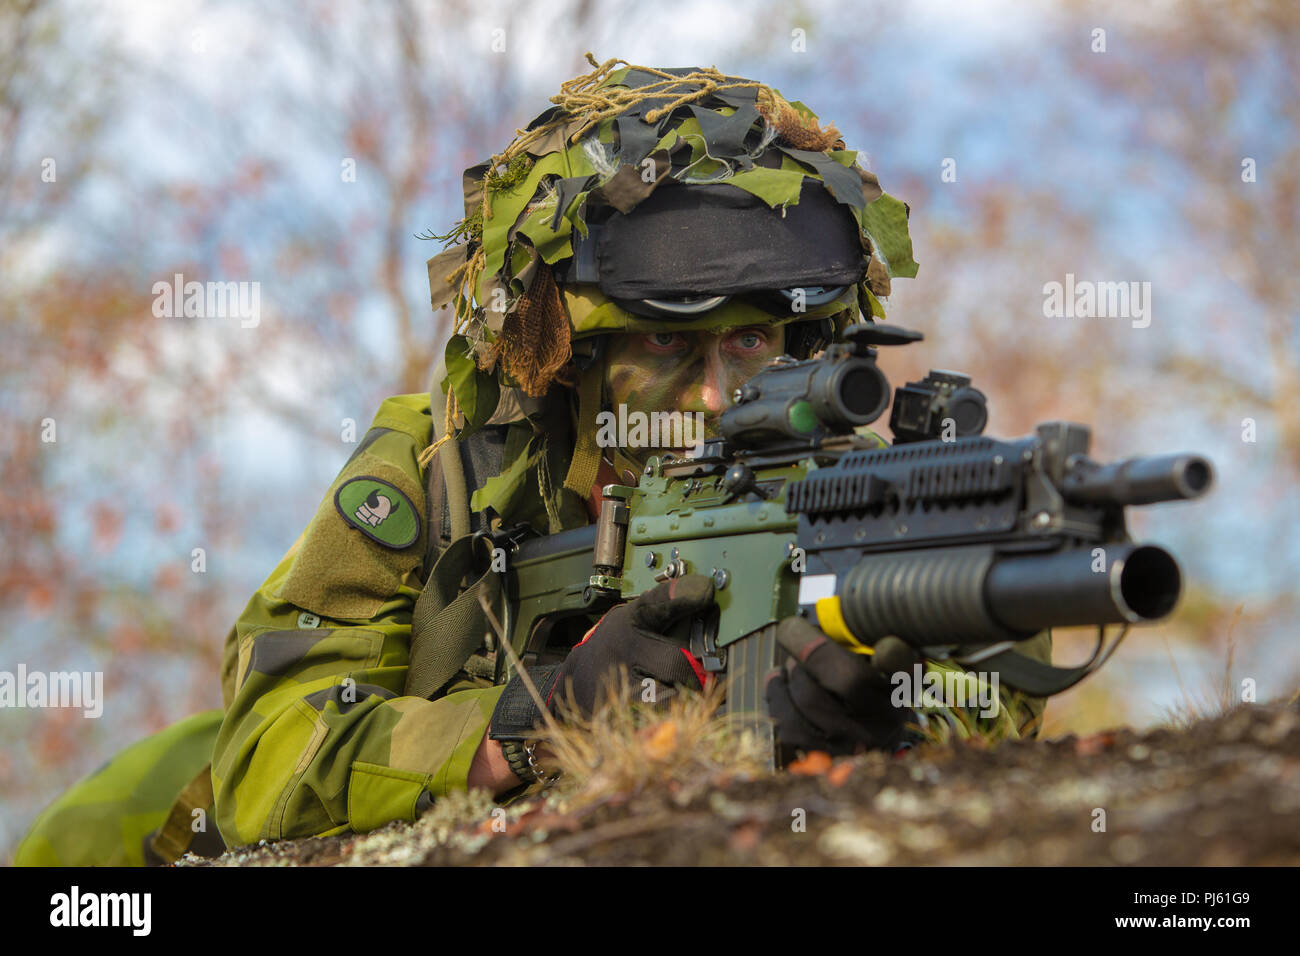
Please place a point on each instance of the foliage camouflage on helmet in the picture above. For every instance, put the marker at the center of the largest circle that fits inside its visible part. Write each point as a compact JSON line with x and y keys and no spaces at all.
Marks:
{"x":598,"y":145}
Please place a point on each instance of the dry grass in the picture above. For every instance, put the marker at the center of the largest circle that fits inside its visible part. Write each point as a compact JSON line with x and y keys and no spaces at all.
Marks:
{"x":681,"y":743}
{"x":684,"y":745}
{"x":1205,"y":703}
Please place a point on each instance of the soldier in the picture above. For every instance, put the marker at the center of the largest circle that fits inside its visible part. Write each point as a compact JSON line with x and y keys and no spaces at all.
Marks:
{"x":644,"y":246}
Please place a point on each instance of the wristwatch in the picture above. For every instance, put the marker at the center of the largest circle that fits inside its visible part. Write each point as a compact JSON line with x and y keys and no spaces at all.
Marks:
{"x":514,"y":718}
{"x":522,"y":757}
{"x":517,"y":757}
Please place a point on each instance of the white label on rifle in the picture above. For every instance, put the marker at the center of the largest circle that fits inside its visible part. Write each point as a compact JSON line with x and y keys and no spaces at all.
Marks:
{"x":813,"y":587}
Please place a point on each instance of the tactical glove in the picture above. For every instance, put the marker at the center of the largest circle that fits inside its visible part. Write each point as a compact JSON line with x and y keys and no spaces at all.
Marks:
{"x":828,"y":698}
{"x":634,"y":635}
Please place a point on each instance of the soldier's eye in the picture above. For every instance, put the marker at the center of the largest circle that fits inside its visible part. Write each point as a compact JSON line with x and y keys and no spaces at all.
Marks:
{"x":749,"y":340}
{"x":663,"y":339}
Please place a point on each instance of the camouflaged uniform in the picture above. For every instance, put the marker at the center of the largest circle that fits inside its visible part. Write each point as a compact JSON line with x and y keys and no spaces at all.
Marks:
{"x":114,"y":816}
{"x":318,"y":736}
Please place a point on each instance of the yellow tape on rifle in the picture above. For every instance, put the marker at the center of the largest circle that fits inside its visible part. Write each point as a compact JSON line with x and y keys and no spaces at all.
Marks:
{"x":830,"y":619}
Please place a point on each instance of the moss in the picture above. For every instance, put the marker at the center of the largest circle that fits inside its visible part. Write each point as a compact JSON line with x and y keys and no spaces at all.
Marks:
{"x":515,"y":172}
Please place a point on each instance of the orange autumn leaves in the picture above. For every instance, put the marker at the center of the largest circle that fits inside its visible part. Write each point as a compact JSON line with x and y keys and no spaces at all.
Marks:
{"x":819,"y":764}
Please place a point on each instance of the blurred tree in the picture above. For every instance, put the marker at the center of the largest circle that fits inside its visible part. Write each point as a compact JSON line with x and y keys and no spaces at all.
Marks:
{"x":301,"y":149}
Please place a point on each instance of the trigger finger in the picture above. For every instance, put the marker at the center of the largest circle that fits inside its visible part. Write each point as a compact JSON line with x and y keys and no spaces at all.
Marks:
{"x":658,"y":609}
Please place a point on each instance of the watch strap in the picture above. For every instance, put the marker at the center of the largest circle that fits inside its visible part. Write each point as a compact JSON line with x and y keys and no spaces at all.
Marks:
{"x":516,"y":716}
{"x":517,"y":757}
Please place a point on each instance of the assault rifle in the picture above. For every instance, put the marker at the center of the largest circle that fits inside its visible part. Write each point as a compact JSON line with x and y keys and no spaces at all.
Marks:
{"x":948,"y":545}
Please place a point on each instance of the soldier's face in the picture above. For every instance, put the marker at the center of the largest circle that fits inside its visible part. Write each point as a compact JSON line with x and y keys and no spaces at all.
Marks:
{"x":686,"y":371}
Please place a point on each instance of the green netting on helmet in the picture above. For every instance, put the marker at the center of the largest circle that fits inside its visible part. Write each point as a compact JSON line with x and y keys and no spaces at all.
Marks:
{"x":612,"y":137}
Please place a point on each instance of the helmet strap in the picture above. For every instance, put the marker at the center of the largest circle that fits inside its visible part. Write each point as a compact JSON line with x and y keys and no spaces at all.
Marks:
{"x":586,"y":453}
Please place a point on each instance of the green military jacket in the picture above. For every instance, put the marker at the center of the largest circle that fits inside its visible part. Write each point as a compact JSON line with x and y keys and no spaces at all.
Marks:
{"x":317,"y":737}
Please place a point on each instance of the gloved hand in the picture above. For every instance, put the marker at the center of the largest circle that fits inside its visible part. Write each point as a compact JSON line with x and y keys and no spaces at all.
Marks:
{"x":633,"y":635}
{"x":828,"y":698}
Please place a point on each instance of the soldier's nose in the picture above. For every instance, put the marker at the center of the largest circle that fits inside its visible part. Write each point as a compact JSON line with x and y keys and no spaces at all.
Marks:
{"x":713,"y":390}
{"x":712,"y":396}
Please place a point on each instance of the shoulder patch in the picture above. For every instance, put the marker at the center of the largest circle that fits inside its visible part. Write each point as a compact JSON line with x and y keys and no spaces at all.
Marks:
{"x":379,"y":511}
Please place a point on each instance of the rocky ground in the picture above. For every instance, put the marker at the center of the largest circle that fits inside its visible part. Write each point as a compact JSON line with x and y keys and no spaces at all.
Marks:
{"x":1222,"y":791}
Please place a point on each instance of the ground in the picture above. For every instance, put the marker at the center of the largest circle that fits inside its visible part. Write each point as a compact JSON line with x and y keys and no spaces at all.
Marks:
{"x":1222,"y":791}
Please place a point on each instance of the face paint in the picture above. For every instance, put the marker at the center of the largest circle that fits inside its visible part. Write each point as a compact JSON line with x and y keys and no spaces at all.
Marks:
{"x":688,"y":372}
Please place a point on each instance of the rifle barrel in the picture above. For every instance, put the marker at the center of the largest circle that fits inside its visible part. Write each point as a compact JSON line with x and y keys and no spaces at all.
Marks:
{"x":1139,"y":481}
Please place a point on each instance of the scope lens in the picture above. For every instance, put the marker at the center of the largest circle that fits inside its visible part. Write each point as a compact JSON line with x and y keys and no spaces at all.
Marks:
{"x":863,"y":394}
{"x":968,"y":414}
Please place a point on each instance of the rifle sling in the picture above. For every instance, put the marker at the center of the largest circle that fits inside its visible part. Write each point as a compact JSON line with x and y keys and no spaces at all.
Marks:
{"x":447,"y":626}
{"x":1036,"y":678}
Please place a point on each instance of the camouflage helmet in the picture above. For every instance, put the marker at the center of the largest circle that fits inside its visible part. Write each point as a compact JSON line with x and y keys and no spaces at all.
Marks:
{"x":539,"y":264}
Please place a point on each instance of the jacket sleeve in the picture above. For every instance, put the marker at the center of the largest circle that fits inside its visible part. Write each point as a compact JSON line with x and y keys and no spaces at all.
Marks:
{"x":317,"y":737}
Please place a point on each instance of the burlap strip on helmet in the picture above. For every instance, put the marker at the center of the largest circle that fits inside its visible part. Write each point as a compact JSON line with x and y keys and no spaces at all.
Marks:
{"x":534,"y":341}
